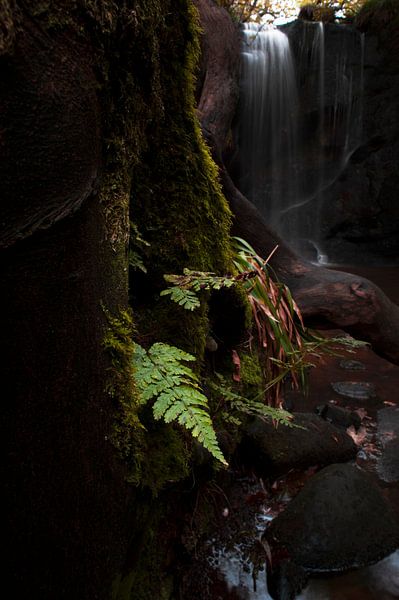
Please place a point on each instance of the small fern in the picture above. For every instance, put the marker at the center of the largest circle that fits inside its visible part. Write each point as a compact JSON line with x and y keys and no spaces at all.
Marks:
{"x":162,"y":376}
{"x":235,"y":405}
{"x":136,"y":246}
{"x":186,"y":287}
{"x":183,"y":297}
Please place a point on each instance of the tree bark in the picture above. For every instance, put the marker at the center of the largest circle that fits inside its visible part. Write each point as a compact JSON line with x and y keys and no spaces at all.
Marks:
{"x":327,"y":299}
{"x":67,"y":502}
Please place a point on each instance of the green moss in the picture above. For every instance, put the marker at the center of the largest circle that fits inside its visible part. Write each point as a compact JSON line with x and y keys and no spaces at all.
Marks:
{"x":167,"y":455}
{"x":128,"y":433}
{"x":177,"y":201}
{"x":251,"y":371}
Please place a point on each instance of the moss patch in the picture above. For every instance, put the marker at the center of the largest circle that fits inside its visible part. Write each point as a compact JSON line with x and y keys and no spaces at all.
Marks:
{"x":251,"y":371}
{"x":177,"y":201}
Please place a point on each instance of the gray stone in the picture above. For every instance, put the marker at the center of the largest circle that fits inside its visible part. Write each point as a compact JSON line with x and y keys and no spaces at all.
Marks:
{"x":357,"y":390}
{"x":352,"y":365}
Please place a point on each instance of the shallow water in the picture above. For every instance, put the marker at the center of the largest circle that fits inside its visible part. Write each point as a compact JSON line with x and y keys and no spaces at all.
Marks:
{"x":378,"y":582}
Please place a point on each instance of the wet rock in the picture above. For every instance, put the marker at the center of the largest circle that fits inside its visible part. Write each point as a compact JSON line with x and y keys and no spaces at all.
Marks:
{"x":340,"y":520}
{"x":352,"y":365}
{"x":313,"y":442}
{"x":338,"y":416}
{"x":286,"y":581}
{"x":388,"y":437}
{"x":356,"y":390}
{"x":388,"y":463}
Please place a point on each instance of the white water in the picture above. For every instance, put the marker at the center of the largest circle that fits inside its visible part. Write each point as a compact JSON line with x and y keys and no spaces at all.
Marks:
{"x":268,"y":132}
{"x":283,"y":171}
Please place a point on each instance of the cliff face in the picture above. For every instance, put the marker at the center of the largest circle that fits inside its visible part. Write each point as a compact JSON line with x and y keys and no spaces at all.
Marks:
{"x":357,"y":201}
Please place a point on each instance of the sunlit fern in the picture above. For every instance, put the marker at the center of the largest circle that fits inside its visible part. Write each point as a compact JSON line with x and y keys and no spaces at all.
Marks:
{"x":161,"y":376}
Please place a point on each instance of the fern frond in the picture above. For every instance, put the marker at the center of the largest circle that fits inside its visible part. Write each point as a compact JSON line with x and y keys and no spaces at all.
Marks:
{"x":241,"y":405}
{"x":183,"y":297}
{"x":174,"y":387}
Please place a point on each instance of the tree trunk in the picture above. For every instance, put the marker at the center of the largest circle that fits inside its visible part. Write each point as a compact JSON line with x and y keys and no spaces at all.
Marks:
{"x":327,"y":299}
{"x":63,"y":269}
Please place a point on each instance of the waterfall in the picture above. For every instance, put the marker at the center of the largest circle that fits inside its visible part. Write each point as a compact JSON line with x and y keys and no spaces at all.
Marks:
{"x":300,"y":121}
{"x":268,"y":122}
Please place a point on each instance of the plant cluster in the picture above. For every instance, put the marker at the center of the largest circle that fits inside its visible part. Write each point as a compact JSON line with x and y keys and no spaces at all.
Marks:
{"x":164,"y":378}
{"x":287,"y":344}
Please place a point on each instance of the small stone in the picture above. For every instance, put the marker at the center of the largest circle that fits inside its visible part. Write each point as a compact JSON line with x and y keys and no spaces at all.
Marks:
{"x":211,"y":344}
{"x":358,"y":390}
{"x":341,"y":417}
{"x":352,"y":365}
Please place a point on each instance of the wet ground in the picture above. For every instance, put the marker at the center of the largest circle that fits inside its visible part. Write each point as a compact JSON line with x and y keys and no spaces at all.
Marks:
{"x":366,"y":384}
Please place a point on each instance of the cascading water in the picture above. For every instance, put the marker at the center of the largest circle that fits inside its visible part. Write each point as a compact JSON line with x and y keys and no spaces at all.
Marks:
{"x":300,"y":122}
{"x":267,"y":131}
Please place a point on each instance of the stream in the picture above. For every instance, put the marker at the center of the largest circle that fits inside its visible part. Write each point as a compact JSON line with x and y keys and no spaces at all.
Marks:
{"x":363,"y":383}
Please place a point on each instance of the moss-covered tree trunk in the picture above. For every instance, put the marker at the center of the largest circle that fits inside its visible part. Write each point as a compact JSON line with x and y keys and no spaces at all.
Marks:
{"x":63,"y":266}
{"x":79,"y":82}
{"x":97,"y":128}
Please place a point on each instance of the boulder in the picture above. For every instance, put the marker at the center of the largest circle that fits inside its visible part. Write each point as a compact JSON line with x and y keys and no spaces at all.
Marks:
{"x":339,"y":521}
{"x":312,"y":441}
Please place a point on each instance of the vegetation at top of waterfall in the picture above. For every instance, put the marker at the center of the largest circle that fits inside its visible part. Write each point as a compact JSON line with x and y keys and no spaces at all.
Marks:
{"x":258,"y":10}
{"x":329,"y":10}
{"x":162,"y":376}
{"x":268,"y":10}
{"x":287,"y":344}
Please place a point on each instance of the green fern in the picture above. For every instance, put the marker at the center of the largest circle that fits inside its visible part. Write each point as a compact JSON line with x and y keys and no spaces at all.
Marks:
{"x":161,"y":375}
{"x":137,"y":245}
{"x":183,"y":297}
{"x":234,"y":405}
{"x":186,"y":287}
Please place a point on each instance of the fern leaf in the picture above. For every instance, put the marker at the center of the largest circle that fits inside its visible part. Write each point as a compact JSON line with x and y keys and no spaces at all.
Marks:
{"x":174,"y":387}
{"x":183,"y":297}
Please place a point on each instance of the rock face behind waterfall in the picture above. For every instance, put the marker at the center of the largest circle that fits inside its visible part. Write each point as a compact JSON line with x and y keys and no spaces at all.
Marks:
{"x":357,"y":203}
{"x":339,"y":521}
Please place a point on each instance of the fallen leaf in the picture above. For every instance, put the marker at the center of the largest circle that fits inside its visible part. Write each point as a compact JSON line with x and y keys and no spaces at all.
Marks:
{"x":237,"y":366}
{"x":362,"y":412}
{"x":358,"y":437}
{"x":388,"y":403}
